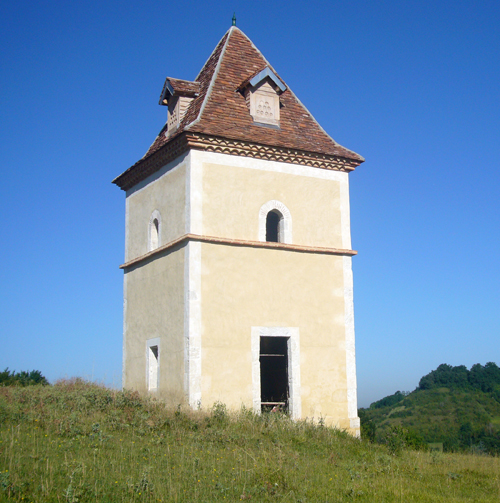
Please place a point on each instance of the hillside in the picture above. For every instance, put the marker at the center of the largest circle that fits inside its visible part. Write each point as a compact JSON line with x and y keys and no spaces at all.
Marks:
{"x":78,"y":442}
{"x":452,"y":405}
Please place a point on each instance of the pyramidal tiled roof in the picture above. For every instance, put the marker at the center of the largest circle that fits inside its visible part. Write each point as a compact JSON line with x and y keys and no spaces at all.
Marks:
{"x":220,"y":110}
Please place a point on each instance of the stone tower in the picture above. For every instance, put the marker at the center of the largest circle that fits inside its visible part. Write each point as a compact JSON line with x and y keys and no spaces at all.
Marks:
{"x":238,"y":279}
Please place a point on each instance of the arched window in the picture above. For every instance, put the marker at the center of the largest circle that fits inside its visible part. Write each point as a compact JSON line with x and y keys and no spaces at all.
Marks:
{"x":154,"y":231}
{"x":273,"y":220}
{"x":275,"y":223}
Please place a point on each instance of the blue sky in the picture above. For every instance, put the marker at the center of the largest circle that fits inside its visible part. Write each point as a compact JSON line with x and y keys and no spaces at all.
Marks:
{"x":412,"y":86}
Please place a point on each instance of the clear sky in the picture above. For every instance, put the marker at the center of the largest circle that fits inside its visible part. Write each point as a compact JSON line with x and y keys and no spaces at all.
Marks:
{"x":412,"y":86}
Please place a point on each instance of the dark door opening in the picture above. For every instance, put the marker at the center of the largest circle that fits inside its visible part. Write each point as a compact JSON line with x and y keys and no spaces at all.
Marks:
{"x":274,"y":373}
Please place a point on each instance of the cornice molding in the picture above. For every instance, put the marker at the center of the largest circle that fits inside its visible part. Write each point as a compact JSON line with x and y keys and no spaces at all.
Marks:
{"x":149,"y":165}
{"x":197,"y":141}
{"x":239,"y":242}
{"x":270,"y":153}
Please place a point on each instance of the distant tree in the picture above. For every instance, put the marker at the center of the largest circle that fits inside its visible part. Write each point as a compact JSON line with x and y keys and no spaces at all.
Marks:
{"x":446,"y":376}
{"x":23,"y":378}
{"x":484,"y":378}
{"x":367,"y":426}
{"x":464,"y":416}
{"x":389,"y":400}
{"x":465,"y":434}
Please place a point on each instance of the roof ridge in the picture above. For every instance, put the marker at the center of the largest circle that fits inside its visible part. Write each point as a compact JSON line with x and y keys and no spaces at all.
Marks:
{"x":216,"y":72}
{"x":214,"y":75}
{"x":295,"y":96}
{"x":212,"y":53}
{"x":220,"y":111}
{"x":298,"y":100}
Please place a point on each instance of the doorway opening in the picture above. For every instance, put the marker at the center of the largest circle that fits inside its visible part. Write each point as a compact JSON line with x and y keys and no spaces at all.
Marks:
{"x":274,"y":387}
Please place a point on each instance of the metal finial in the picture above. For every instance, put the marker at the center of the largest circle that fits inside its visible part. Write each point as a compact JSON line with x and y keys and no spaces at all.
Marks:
{"x":234,"y":19}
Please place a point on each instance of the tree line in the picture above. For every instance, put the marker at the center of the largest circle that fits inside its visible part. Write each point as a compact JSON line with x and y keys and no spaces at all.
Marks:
{"x":456,"y":407}
{"x":23,"y":378}
{"x":482,"y":378}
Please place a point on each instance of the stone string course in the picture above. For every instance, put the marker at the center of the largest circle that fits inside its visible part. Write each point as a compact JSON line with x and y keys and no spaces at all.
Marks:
{"x":238,"y":242}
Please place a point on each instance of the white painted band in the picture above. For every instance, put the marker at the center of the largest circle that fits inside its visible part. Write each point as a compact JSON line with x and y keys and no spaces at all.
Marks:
{"x":352,"y":400}
{"x":192,"y":323}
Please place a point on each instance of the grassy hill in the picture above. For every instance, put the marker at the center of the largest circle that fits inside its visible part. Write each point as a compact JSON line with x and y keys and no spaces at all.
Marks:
{"x":452,"y":406}
{"x":78,"y":442}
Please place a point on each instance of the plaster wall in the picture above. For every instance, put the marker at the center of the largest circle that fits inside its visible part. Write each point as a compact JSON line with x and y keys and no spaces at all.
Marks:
{"x":203,"y":301}
{"x":235,"y":188}
{"x":154,"y":309}
{"x":164,"y":192}
{"x":245,"y":287}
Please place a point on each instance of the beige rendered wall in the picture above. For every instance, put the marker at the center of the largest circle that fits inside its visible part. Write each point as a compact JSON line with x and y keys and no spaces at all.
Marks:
{"x":154,"y":308}
{"x":202,"y":299}
{"x":233,"y":196}
{"x":244,"y":287}
{"x":165,"y":192}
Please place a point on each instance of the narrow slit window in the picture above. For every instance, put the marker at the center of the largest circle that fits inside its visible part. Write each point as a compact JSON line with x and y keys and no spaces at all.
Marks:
{"x":152,"y":368}
{"x":154,"y":231}
{"x":273,"y":224}
{"x":154,"y":234}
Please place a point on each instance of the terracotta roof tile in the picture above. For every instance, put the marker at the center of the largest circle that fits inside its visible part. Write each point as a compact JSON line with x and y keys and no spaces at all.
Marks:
{"x":183,"y":87}
{"x":220,"y":108}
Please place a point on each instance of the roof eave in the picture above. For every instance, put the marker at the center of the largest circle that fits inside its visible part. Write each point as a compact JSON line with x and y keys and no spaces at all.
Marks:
{"x":185,"y":141}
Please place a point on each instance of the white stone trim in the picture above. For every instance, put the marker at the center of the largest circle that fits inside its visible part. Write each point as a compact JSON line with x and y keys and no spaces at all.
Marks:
{"x":125,"y":277}
{"x":192,"y":323}
{"x":156,"y":215}
{"x":292,"y":333}
{"x":352,"y":399}
{"x":124,"y":341}
{"x":127,"y":232}
{"x":265,"y":165}
{"x":285,"y":225}
{"x":345,"y":217}
{"x":150,"y":343}
{"x":194,"y":196}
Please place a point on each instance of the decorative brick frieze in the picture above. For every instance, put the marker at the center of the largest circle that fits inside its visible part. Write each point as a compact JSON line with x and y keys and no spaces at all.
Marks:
{"x":149,"y":165}
{"x":185,"y":141}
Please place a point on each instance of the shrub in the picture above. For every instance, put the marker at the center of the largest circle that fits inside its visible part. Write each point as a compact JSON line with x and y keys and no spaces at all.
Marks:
{"x":23,"y":378}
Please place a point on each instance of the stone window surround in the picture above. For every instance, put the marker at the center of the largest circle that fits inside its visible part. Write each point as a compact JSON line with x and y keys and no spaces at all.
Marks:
{"x":154,"y":216}
{"x":292,"y":333}
{"x":285,"y":225}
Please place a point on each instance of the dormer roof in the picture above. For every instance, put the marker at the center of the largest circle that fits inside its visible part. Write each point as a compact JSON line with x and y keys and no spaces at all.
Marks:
{"x":178,"y":87}
{"x":218,"y":113}
{"x":260,"y":76}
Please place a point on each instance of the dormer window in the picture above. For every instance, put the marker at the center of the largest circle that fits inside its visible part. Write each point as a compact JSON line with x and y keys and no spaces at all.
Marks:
{"x":262,"y":94}
{"x":177,"y":95}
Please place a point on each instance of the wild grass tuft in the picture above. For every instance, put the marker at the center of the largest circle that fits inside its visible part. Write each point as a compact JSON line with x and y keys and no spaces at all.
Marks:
{"x":77,"y":442}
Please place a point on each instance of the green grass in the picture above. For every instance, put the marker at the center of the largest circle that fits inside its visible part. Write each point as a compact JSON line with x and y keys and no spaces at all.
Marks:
{"x":79,"y":442}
